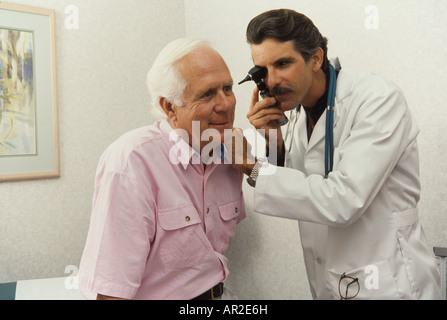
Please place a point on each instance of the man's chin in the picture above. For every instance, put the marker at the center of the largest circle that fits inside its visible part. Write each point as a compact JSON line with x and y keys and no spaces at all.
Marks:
{"x":220,"y":126}
{"x":287,"y":105}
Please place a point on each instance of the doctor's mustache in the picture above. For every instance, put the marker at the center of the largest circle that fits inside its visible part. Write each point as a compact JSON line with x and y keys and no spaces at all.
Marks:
{"x":279,"y":90}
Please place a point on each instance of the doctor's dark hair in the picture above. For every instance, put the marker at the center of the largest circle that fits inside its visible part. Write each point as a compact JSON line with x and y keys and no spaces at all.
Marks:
{"x":285,"y":25}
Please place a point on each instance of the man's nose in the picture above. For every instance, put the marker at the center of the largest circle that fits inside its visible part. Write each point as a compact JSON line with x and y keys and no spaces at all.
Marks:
{"x":272,"y":79}
{"x":224,"y":102}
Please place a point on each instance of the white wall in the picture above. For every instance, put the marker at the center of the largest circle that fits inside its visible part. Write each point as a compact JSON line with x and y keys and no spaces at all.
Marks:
{"x":408,"y":47}
{"x":102,"y":69}
{"x":101,"y":74}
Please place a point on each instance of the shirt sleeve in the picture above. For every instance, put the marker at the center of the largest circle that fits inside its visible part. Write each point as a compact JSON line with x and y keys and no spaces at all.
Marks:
{"x":122,"y":226}
{"x":378,"y":138}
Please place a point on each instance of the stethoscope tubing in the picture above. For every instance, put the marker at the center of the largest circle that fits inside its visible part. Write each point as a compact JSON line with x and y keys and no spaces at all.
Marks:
{"x":329,"y":137}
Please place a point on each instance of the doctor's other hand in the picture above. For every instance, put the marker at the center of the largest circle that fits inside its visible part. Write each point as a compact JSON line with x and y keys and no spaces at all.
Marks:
{"x":240,"y":150}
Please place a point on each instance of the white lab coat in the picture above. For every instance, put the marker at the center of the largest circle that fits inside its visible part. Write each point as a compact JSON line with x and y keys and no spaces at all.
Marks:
{"x":363,"y":219}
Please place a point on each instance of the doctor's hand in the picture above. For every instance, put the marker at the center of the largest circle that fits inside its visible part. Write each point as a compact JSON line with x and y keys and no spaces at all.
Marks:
{"x":264,"y":115}
{"x":239,"y":150}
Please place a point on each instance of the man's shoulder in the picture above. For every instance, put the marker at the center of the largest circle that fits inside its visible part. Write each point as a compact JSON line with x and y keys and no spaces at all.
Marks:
{"x":141,"y":144}
{"x":365,"y":83}
{"x":134,"y":139}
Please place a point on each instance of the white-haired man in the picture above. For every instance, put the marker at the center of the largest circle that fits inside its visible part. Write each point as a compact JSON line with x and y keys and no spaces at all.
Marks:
{"x":163,"y":217}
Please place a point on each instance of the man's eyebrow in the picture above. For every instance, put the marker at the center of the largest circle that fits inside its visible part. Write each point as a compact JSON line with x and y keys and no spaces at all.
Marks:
{"x":217,"y":87}
{"x":284,"y":59}
{"x":214,"y":88}
{"x":279,"y":60}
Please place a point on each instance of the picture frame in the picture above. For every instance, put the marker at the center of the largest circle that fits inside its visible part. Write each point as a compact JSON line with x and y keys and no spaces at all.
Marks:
{"x":29,"y":136}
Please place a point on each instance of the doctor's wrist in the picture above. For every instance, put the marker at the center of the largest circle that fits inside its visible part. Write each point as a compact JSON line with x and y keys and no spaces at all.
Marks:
{"x":246,"y":168}
{"x":254,"y":173}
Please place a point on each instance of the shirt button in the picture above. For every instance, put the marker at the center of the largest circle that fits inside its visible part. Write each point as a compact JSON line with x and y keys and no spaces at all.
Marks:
{"x":319,"y":260}
{"x":235,"y":210}
{"x":207,"y":210}
{"x":187,"y":219}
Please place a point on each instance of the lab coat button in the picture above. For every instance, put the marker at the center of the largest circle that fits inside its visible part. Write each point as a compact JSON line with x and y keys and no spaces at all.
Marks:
{"x":319,"y":260}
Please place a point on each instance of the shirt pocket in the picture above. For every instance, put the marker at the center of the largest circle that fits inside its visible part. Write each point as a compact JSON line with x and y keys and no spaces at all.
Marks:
{"x":183,"y":242}
{"x":228,"y":214}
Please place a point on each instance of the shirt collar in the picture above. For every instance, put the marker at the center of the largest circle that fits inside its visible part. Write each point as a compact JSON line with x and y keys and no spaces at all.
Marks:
{"x":182,"y":153}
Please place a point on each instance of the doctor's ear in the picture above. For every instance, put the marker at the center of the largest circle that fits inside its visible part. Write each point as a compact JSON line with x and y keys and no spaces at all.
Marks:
{"x":317,"y":59}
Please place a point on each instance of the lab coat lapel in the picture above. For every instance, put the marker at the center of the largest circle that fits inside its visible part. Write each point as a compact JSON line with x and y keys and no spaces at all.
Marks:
{"x":345,"y":85}
{"x":302,"y":129}
{"x":318,"y":133}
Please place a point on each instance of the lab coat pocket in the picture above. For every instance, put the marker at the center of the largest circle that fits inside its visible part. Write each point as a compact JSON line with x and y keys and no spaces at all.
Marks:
{"x":413,"y":248}
{"x":374,"y":281}
{"x":229,"y":214}
{"x":184,"y":243}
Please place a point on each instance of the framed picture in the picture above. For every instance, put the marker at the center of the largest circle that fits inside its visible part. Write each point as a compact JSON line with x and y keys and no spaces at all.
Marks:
{"x":29,"y":143}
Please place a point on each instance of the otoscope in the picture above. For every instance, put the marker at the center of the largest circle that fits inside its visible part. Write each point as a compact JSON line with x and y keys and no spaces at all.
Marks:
{"x":257,"y":74}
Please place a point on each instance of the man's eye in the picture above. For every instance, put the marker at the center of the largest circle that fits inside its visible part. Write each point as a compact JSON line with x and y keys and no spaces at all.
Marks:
{"x":283,"y":63}
{"x":228,"y":89}
{"x":207,"y":94}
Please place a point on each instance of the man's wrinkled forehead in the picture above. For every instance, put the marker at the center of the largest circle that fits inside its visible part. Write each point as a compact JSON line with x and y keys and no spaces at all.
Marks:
{"x":199,"y":59}
{"x":202,"y":66}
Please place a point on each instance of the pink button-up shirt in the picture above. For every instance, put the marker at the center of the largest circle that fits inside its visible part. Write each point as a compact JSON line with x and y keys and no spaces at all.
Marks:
{"x":160,"y":221}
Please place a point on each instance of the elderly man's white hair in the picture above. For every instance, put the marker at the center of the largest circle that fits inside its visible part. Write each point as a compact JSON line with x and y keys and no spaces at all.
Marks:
{"x":163,"y":79}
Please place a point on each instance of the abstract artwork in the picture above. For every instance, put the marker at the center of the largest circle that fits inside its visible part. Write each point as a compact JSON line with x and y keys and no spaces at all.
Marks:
{"x":29,"y":143}
{"x":17,"y":100}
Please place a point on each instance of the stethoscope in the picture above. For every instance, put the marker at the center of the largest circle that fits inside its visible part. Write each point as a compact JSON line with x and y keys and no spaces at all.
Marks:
{"x":329,"y":137}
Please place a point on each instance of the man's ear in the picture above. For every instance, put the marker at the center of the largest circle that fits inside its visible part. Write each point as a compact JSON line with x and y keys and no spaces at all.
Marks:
{"x":317,"y":58}
{"x":168,"y":109}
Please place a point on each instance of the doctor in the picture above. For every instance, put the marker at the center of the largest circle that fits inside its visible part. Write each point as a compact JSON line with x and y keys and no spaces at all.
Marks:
{"x":359,"y":223}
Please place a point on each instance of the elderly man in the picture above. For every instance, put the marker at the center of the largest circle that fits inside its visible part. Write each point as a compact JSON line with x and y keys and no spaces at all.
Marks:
{"x":163,"y":217}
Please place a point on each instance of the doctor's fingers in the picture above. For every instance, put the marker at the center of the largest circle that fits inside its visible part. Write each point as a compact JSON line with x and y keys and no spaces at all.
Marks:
{"x":238,"y":145}
{"x":261,"y":113}
{"x":261,"y":105}
{"x":254,"y":97}
{"x":257,"y":104}
{"x":265,"y":118}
